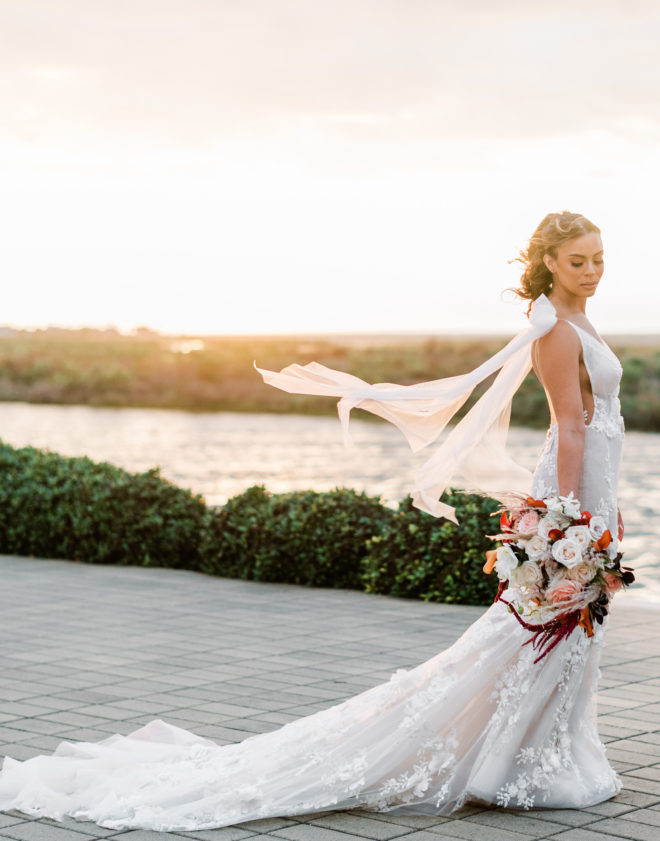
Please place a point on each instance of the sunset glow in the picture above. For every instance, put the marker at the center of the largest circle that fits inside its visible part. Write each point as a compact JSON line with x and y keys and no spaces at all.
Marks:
{"x":297,"y":167}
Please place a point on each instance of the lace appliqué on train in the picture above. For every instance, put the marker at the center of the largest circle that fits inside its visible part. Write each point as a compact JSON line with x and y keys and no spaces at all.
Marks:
{"x":540,"y":765}
{"x":434,"y":768}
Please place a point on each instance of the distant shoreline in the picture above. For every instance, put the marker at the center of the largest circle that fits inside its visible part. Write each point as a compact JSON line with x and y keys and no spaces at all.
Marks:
{"x":216,"y":373}
{"x":350,"y":339}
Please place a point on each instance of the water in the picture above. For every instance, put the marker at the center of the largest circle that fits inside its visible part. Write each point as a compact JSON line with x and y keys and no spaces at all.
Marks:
{"x":221,"y":454}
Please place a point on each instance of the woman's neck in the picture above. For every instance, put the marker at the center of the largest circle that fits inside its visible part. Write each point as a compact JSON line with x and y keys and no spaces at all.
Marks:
{"x":566,"y":303}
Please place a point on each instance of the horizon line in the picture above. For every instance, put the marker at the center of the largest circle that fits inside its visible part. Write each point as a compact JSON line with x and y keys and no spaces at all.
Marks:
{"x":307,"y":336}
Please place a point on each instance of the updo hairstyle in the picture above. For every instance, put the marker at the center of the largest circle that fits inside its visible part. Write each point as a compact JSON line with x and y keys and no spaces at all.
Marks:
{"x":554,"y":229}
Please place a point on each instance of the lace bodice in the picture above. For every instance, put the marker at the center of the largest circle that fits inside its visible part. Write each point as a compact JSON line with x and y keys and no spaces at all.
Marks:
{"x":605,"y":372}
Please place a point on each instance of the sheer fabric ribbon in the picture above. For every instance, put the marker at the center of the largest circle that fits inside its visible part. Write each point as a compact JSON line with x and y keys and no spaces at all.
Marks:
{"x":473,"y":456}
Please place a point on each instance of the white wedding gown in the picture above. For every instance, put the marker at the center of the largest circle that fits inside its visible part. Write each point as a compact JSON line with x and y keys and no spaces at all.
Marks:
{"x":480,"y":721}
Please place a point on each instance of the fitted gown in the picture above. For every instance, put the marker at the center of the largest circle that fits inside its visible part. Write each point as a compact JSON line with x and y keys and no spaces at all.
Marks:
{"x":478,"y":722}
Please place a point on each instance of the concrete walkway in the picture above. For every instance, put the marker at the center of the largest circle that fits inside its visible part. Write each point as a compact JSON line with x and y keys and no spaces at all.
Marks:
{"x":88,"y":651}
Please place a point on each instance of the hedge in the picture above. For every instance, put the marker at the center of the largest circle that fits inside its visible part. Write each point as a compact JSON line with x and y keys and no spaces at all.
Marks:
{"x":419,"y":556}
{"x":73,"y":508}
{"x":304,"y":537}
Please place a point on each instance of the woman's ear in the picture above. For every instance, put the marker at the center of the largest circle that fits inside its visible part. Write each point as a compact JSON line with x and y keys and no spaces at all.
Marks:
{"x":546,"y":260}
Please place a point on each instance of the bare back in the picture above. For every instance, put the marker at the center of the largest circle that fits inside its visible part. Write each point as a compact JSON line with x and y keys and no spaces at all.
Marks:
{"x":558,"y":362}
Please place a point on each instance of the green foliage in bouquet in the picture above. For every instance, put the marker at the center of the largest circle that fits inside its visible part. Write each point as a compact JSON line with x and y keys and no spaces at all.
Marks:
{"x":422,"y":557}
{"x":303,"y":537}
{"x":57,"y":507}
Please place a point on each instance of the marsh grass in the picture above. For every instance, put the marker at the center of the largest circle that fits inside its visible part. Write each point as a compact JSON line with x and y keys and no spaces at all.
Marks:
{"x":105,"y":368}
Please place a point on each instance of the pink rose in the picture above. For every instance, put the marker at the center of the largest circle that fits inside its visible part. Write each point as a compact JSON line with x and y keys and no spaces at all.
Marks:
{"x":528,"y":523}
{"x":613,"y":582}
{"x":563,"y":591}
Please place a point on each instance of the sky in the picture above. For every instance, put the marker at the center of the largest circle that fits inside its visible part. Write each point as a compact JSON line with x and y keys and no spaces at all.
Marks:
{"x":305,"y":166}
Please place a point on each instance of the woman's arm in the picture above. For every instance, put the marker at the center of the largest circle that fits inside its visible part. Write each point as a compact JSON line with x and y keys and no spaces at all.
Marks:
{"x":558,"y":363}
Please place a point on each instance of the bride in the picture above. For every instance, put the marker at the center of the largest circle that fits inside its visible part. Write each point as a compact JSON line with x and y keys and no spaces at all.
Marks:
{"x":484,"y":721}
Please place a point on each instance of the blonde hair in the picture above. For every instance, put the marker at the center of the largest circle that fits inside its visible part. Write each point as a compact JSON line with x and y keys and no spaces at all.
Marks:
{"x":553,"y":230}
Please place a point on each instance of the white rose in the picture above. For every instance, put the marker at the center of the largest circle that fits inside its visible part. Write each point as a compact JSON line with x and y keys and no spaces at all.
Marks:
{"x":506,"y":561}
{"x":567,"y":552}
{"x":528,"y":574}
{"x":597,"y":526}
{"x":537,"y":548}
{"x":582,"y":573}
{"x":580,"y":534}
{"x":547,"y":524}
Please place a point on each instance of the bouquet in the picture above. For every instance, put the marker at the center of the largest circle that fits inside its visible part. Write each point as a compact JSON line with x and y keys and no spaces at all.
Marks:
{"x":554,"y":565}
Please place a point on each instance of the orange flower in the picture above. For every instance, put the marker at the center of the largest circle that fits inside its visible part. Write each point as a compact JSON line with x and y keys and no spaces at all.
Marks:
{"x":604,"y":541}
{"x":491,"y":557}
{"x":535,"y":503}
{"x":585,"y":621}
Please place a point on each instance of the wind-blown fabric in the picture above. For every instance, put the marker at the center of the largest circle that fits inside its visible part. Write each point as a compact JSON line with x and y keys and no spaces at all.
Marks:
{"x":473,"y":455}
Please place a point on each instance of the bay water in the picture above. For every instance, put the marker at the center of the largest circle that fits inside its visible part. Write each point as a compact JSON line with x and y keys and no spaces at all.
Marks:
{"x":221,"y":454}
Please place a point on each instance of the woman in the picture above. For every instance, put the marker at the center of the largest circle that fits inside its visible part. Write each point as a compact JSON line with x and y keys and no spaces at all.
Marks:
{"x":484,"y":720}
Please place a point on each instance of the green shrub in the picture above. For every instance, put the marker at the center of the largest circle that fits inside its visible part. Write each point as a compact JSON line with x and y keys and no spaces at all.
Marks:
{"x":304,"y":537}
{"x":420,"y":556}
{"x":74,"y":508}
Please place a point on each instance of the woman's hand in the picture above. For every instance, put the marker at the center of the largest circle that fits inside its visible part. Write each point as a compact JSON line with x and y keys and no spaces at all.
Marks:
{"x":619,"y":523}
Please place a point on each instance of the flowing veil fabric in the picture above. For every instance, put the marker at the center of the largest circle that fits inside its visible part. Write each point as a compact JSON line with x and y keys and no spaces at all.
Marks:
{"x":475,"y":449}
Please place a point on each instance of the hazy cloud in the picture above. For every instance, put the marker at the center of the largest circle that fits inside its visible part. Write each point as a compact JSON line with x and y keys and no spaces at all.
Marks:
{"x":194,"y":71}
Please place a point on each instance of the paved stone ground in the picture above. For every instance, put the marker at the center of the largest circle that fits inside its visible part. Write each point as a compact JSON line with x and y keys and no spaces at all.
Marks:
{"x":88,"y":651}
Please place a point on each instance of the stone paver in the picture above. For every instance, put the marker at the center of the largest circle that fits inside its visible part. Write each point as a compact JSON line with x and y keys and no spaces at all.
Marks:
{"x":87,"y":651}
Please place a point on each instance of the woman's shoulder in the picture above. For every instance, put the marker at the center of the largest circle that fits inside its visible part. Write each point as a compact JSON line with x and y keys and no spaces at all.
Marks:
{"x":561,"y":333}
{"x":560,"y":347}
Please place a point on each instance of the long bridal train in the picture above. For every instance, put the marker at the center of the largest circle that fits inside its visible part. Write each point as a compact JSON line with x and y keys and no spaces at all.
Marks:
{"x":479,"y":721}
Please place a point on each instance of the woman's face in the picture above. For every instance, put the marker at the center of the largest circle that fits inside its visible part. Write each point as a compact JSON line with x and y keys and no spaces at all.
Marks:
{"x":579,"y":265}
